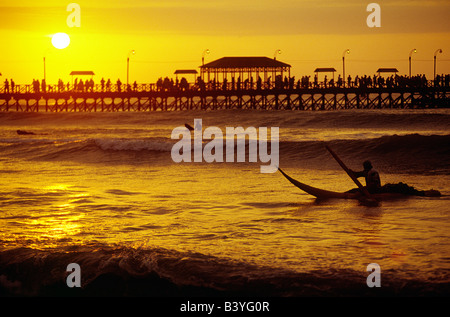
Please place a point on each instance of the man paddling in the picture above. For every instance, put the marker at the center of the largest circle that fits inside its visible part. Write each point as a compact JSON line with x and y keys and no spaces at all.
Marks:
{"x":373,"y":182}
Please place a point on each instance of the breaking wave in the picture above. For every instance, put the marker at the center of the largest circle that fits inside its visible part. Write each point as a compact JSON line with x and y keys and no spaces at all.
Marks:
{"x":127,"y":271}
{"x":411,"y":153}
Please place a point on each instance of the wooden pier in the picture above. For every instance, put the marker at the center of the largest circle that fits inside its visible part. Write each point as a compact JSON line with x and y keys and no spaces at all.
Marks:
{"x":145,"y":98}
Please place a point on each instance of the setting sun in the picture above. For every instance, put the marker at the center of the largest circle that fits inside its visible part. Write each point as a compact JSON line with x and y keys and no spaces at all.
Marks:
{"x":60,"y":40}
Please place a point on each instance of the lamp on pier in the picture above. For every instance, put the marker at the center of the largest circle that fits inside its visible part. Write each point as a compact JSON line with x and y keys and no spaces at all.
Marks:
{"x":347,"y":51}
{"x":435,"y":53}
{"x":132,"y":52}
{"x":276,"y":53}
{"x":410,"y":53}
{"x":207,"y":51}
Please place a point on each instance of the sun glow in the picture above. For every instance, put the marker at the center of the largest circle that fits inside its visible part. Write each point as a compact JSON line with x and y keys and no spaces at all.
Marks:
{"x":60,"y":40}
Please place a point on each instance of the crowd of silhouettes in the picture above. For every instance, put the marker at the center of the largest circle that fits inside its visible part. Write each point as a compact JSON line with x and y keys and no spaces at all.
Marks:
{"x":233,"y":84}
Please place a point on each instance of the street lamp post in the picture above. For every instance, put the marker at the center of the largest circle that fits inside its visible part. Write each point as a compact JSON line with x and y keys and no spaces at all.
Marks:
{"x":44,"y":83}
{"x":347,"y":51}
{"x":434,"y":73}
{"x":44,"y":70}
{"x":410,"y":53}
{"x":276,"y":53}
{"x":207,"y":51}
{"x":132,"y":52}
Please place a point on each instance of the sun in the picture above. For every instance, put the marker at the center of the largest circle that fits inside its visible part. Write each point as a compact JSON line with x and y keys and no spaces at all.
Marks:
{"x":60,"y":40}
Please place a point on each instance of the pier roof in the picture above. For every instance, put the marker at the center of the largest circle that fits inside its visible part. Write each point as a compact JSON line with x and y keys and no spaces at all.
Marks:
{"x":245,"y":62}
{"x":185,"y":71}
{"x":325,"y":70}
{"x":82,"y":73}
{"x":387,"y":70}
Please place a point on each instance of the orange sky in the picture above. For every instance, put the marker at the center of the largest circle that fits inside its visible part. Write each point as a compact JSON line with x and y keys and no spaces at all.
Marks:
{"x":172,"y":34}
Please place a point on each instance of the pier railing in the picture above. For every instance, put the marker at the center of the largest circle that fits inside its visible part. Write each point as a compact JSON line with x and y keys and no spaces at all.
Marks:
{"x":286,"y":95}
{"x":167,"y":85}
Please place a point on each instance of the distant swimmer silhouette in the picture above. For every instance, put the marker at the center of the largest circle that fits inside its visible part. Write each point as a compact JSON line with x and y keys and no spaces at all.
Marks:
{"x":21,"y":132}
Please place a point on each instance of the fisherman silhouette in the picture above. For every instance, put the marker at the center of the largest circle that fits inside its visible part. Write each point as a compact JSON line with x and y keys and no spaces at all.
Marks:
{"x":373,"y":182}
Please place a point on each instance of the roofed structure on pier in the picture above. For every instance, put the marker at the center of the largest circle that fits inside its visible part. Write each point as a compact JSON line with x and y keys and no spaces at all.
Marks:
{"x":245,"y":67}
{"x":82,"y":73}
{"x":186,"y":72}
{"x":387,"y":70}
{"x":325,"y":70}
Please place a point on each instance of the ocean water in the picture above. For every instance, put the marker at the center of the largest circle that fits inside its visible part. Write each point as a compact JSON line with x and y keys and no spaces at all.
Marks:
{"x":101,"y":190}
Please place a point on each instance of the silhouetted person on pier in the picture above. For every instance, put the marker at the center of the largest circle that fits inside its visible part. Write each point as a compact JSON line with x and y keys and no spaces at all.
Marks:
{"x":159,"y":84}
{"x":81,"y":85}
{"x":108,"y":85}
{"x":259,"y":83}
{"x":278,"y":82}
{"x":201,"y":84}
{"x":349,"y":81}
{"x":184,"y":85}
{"x":339,"y":81}
{"x":13,"y":86}
{"x":102,"y":83}
{"x":60,"y":85}
{"x":291,"y":82}
{"x":167,"y":84}
{"x":36,"y":86}
{"x":119,"y":85}
{"x":91,"y":85}
{"x":43,"y":86}
{"x":6,"y":86}
{"x":305,"y":82}
{"x":224,"y":84}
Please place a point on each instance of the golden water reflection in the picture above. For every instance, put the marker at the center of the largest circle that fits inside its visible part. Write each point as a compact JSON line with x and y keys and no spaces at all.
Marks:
{"x":235,"y":213}
{"x":55,"y":220}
